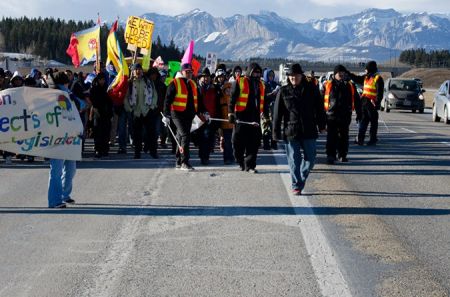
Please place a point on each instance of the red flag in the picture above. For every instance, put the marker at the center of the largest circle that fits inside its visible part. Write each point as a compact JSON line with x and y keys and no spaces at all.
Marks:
{"x":195,"y":66}
{"x":72,"y":50}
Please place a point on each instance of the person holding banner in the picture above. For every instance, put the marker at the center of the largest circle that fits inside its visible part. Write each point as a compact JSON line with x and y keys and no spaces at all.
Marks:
{"x":62,"y":172}
{"x":3,"y":81}
{"x":181,"y":106}
{"x":245,"y":109}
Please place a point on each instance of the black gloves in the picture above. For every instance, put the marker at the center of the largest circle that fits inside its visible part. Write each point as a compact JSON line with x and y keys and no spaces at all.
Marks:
{"x":231,"y":118}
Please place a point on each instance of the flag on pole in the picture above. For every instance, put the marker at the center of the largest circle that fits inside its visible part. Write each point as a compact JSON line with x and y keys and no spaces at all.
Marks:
{"x":99,"y":50}
{"x":187,"y":58}
{"x":118,"y":88}
{"x":84,"y":45}
{"x":174,"y":67}
{"x":196,"y":65}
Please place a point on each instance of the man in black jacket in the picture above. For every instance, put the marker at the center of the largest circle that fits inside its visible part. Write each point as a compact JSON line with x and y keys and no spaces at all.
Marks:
{"x":370,"y":100}
{"x":340,"y":100}
{"x":247,"y":105}
{"x":181,"y":105}
{"x":300,"y":106}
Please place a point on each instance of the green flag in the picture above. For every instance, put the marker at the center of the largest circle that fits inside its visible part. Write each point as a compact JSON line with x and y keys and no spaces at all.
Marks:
{"x":174,"y":67}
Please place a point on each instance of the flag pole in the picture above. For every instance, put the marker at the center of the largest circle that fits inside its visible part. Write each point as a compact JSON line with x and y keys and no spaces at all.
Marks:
{"x":98,"y":59}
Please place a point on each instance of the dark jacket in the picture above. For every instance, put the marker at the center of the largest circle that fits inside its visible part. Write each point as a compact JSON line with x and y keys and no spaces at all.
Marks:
{"x":252,"y":112}
{"x":301,"y":110}
{"x":340,"y":100}
{"x":359,"y":79}
{"x":101,"y":101}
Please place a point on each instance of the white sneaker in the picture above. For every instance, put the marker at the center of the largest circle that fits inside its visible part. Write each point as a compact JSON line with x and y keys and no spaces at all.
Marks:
{"x":186,"y":167}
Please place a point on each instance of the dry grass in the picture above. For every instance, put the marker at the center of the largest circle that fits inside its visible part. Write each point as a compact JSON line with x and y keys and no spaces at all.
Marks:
{"x":431,"y":78}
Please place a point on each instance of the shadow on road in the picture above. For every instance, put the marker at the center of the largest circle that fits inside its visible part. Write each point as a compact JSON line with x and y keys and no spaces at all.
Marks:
{"x":225,"y":211}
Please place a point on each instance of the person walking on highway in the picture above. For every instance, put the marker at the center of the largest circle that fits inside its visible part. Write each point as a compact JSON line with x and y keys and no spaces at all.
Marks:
{"x":181,"y":106}
{"x":371,"y":101}
{"x":62,"y":172}
{"x":339,"y":102}
{"x":142,"y":101}
{"x":271,"y":88}
{"x":300,"y":106}
{"x":247,"y":104}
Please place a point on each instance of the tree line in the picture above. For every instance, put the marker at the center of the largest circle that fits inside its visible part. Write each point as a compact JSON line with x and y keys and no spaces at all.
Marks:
{"x":421,"y":58}
{"x":49,"y":38}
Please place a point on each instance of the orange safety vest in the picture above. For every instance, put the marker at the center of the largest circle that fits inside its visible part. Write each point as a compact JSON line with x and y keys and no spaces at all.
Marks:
{"x":244,"y":87}
{"x":370,"y":88}
{"x":181,"y":97}
{"x":328,"y":91}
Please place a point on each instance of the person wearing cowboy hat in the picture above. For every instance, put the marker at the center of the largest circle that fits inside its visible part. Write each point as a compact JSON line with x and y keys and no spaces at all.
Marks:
{"x":300,"y":106}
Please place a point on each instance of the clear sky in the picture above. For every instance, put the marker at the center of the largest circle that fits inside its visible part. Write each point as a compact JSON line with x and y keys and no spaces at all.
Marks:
{"x":298,"y":10}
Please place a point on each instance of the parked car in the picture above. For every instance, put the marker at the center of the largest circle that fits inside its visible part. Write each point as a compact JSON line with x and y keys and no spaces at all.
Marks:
{"x":405,"y":94}
{"x":419,"y":81}
{"x":441,"y":103}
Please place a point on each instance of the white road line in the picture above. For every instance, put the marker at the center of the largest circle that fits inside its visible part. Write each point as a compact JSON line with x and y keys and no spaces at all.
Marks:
{"x":410,"y":131}
{"x":329,"y":276}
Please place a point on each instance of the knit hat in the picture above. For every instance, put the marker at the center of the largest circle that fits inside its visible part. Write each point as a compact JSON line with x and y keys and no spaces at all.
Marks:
{"x":372,"y":67}
{"x":61,"y":78}
{"x":220,"y":72}
{"x":186,"y":66}
{"x":237,"y":68}
{"x":205,"y":72}
{"x":221,"y":66}
{"x":136,"y":66}
{"x":16,"y":75}
{"x":339,"y":68}
{"x":253,"y":67}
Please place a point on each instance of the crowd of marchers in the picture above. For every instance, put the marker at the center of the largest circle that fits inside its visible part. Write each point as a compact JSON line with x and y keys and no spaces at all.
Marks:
{"x":241,"y":109}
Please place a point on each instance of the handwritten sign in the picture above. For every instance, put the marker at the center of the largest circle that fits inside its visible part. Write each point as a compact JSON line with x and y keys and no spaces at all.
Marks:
{"x":138,"y":32}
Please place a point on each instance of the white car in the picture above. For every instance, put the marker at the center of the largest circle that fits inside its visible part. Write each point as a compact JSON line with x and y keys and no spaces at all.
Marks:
{"x":441,"y":103}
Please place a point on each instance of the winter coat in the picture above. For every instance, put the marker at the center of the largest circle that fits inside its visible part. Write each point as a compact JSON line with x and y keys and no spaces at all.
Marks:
{"x":301,"y":109}
{"x":252,"y":112}
{"x":101,"y":101}
{"x":380,"y":88}
{"x":340,"y":100}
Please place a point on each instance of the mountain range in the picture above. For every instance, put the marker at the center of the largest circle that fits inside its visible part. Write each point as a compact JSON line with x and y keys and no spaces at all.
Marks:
{"x":379,"y":34}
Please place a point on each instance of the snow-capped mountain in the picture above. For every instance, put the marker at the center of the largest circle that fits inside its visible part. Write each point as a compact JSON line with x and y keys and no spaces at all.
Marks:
{"x":372,"y":34}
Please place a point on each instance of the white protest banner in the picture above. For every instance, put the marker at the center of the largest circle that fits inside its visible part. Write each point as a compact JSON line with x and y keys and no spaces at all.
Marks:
{"x":211,"y":61}
{"x":40,"y":122}
{"x":196,"y":123}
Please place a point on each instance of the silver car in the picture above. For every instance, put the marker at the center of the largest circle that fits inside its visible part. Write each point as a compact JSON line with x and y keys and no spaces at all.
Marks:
{"x":441,"y":103}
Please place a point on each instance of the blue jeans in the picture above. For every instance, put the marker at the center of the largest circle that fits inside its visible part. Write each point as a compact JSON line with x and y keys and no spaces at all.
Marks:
{"x":60,"y":180}
{"x":301,"y":155}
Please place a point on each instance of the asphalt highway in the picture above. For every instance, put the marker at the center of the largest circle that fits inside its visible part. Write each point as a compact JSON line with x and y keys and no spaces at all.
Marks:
{"x":376,"y":226}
